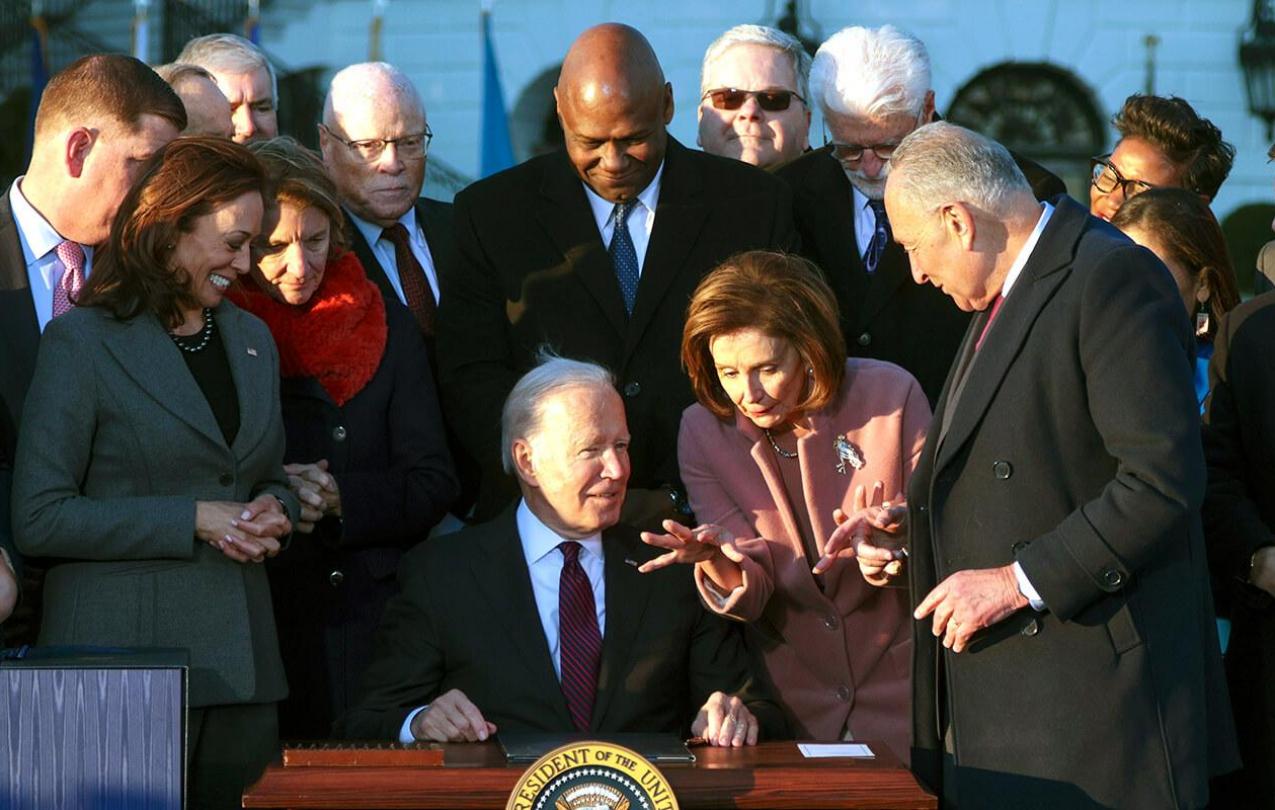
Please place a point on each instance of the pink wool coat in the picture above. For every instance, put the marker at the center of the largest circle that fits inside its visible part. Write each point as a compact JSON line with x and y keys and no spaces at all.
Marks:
{"x":840,"y":656}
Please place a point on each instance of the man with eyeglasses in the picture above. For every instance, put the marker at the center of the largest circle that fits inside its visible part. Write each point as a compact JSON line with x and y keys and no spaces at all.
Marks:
{"x":594,"y":251}
{"x":1163,"y":143}
{"x":873,"y":88}
{"x":753,"y":90}
{"x":375,"y":140}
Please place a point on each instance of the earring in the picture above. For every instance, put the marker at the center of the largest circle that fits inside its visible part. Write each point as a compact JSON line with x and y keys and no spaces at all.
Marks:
{"x":810,"y":371}
{"x":1202,"y":322}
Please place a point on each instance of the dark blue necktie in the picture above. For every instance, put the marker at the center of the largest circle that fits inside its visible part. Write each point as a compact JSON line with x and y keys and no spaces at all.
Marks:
{"x":623,"y":254}
{"x":879,"y":237}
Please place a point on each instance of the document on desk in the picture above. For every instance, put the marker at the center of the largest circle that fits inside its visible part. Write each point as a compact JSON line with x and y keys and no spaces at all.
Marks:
{"x":816,"y":750}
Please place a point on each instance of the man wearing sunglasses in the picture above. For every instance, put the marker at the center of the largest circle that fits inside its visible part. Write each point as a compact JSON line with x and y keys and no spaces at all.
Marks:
{"x":753,"y":91}
{"x":873,"y":88}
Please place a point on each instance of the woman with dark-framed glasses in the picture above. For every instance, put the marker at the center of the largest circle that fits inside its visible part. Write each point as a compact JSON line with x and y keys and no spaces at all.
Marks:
{"x":1163,"y":143}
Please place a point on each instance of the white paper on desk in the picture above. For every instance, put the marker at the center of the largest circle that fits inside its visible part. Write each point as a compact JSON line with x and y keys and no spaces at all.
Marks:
{"x":856,"y":750}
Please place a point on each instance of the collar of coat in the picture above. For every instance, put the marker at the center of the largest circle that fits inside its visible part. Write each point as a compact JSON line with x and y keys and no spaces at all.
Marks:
{"x":338,"y":337}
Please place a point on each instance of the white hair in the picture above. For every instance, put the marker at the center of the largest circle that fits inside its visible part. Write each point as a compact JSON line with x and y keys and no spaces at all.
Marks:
{"x":941,"y":163}
{"x":368,"y":81}
{"x":871,"y":73}
{"x":520,"y":418}
{"x":760,"y":35}
{"x":227,"y":53}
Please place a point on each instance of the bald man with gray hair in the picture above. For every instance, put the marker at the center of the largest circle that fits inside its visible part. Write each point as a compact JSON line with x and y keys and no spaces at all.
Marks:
{"x":1057,"y":559}
{"x":873,"y":87}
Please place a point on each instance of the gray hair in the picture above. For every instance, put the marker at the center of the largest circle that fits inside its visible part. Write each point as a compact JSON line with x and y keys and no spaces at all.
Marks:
{"x":367,"y":80}
{"x":871,"y":73}
{"x":520,"y":417}
{"x":760,"y":35}
{"x":228,"y":53}
{"x":941,"y":163}
{"x":177,"y":72}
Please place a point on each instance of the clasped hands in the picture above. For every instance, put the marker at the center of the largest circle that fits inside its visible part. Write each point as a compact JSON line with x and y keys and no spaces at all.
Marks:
{"x":244,"y":532}
{"x":317,"y":491}
{"x":724,"y":721}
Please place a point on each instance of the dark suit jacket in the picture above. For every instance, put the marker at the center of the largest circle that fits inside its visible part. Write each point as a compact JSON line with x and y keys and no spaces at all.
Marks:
{"x":19,"y":329}
{"x":886,"y":316}
{"x":386,"y":449}
{"x":1073,"y":448}
{"x":534,"y":271}
{"x":1239,"y":518}
{"x":118,"y":443}
{"x":466,"y":619}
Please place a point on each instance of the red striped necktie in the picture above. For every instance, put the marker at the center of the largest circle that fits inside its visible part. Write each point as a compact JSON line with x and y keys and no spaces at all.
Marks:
{"x":580,"y":642}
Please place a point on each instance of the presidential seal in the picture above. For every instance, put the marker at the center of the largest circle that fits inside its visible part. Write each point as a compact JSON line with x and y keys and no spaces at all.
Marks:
{"x":592,"y":776}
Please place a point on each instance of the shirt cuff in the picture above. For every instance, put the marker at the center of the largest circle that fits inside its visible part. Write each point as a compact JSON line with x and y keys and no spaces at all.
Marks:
{"x":405,"y":733}
{"x":1026,"y":589}
{"x":718,"y":596}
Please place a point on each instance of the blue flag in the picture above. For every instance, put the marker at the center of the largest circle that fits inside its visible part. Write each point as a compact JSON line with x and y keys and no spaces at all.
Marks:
{"x":497,"y":151}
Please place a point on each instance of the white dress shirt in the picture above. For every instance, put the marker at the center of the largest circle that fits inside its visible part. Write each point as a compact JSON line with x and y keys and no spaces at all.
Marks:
{"x":1025,"y":586}
{"x":642,"y":216}
{"x":383,"y":250}
{"x":544,"y":564}
{"x":39,"y":251}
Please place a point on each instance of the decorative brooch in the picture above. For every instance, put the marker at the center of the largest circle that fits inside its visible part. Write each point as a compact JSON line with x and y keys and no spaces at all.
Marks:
{"x":847,"y":451}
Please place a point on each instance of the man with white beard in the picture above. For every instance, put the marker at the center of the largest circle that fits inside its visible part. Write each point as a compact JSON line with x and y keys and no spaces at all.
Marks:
{"x":873,"y":87}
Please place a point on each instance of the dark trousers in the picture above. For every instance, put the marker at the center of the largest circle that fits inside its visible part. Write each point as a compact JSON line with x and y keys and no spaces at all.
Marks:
{"x":229,"y":748}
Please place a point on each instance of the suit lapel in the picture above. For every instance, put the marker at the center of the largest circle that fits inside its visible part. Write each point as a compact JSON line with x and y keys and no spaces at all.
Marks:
{"x":501,"y":573}
{"x":1033,"y":290}
{"x":568,"y":219}
{"x":148,"y":356}
{"x":892,"y":273}
{"x":627,"y":594}
{"x":19,"y":328}
{"x":831,"y":216}
{"x":679,"y":217}
{"x":371,"y":267}
{"x":764,"y":457}
{"x":252,"y":373}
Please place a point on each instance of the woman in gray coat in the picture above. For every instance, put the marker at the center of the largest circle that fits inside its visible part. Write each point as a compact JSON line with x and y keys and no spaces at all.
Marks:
{"x":150,"y":469}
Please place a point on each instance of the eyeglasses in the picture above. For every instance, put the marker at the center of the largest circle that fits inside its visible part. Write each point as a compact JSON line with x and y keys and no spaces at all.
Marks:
{"x":1106,"y":177}
{"x":853,"y":152}
{"x":409,"y":147}
{"x":730,"y":98}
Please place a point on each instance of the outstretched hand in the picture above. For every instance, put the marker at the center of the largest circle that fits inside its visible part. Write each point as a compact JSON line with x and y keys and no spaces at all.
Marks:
{"x":873,"y":535}
{"x":709,"y":544}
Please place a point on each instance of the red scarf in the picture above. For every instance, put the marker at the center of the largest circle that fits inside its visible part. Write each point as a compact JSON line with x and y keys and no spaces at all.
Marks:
{"x":337,"y":337}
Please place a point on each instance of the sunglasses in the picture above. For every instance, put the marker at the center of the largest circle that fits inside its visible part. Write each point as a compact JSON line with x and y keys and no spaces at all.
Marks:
{"x":729,"y":98}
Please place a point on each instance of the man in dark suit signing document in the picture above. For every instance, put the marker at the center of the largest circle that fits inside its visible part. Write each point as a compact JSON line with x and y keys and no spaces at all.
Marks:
{"x":540,"y":619}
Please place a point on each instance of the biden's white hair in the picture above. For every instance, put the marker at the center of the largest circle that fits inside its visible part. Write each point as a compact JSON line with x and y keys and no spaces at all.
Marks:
{"x":520,"y":418}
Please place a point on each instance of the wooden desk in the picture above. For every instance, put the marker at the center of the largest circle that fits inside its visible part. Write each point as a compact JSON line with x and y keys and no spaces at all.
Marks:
{"x":771,"y":775}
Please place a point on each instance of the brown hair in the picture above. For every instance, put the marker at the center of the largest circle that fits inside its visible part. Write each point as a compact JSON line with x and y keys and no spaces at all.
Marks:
{"x":107,"y":85}
{"x":185,"y":180}
{"x":778,"y":294}
{"x":1189,"y":233}
{"x":1172,"y":126}
{"x":296,"y":175}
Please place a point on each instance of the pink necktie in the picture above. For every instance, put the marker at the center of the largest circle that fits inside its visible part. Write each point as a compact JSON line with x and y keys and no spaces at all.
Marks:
{"x":991,"y":316}
{"x":72,"y":281}
{"x":580,"y":642}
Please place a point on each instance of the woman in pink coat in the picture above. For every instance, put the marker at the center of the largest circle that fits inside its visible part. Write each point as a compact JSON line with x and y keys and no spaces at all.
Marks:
{"x":778,"y":457}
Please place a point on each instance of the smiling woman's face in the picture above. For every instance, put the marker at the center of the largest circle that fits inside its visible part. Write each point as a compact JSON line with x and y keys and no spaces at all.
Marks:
{"x":215,"y":251}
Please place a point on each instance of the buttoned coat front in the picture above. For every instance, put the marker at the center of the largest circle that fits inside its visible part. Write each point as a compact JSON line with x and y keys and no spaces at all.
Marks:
{"x":837,"y":652}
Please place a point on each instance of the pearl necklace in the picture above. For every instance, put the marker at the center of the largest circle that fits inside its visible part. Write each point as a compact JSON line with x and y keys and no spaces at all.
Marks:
{"x":202,"y":336}
{"x":781,"y":451}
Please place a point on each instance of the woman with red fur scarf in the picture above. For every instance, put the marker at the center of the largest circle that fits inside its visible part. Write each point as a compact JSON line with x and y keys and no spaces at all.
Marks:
{"x":366,"y":452}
